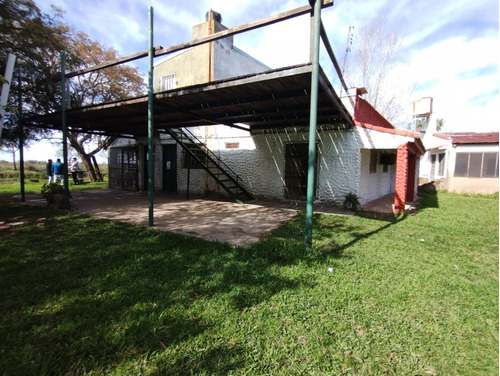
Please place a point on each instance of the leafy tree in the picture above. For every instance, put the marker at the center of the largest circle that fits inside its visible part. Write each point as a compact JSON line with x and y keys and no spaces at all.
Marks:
{"x":111,"y":84}
{"x":37,"y":39}
{"x":422,"y":124}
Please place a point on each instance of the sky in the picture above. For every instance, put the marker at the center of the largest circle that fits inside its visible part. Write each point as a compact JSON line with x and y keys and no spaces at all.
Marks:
{"x":450,"y":48}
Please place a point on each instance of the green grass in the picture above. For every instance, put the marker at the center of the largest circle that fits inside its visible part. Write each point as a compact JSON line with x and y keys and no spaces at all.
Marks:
{"x":35,"y":176}
{"x":413,"y":296}
{"x":36,"y":186}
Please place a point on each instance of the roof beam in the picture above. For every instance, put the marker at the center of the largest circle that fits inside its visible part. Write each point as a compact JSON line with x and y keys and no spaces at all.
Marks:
{"x":160,"y":51}
{"x":242,"y":28}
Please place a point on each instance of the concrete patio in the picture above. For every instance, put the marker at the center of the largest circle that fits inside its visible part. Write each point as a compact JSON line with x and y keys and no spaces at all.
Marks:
{"x":211,"y":219}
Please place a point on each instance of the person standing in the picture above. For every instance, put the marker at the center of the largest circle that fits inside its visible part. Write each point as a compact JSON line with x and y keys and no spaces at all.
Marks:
{"x":58,"y":170}
{"x":50,"y":174}
{"x":74,"y":171}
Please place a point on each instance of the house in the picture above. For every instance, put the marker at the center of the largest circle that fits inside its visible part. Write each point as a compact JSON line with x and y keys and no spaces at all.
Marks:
{"x":221,"y":122}
{"x":358,"y":151}
{"x":461,"y":162}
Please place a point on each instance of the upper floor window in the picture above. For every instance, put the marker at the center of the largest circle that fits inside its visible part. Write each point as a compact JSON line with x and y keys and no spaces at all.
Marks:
{"x":477,"y":165}
{"x":167,"y":82}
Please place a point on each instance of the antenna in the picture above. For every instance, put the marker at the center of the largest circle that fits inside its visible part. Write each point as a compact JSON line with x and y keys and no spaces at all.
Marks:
{"x":348,"y":46}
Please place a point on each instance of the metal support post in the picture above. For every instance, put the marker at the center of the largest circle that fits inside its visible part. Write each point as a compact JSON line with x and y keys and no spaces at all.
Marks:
{"x":150,"y":122}
{"x":21,"y":134}
{"x":312,"y":121}
{"x":64,"y":130}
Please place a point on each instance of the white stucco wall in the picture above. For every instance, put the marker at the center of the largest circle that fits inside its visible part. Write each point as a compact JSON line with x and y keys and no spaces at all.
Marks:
{"x":343,"y":162}
{"x":380,"y":183}
{"x":230,"y":61}
{"x":375,"y":185}
{"x":260,"y":161}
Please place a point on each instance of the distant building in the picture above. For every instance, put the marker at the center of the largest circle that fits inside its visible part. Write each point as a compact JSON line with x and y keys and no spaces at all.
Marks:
{"x":461,"y":162}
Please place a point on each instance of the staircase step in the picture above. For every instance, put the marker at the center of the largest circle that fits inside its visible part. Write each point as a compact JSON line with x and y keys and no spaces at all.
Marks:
{"x":208,"y":159}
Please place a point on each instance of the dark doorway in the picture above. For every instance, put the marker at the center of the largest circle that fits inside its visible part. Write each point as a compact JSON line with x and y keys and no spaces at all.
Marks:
{"x":170,"y":168}
{"x":123,"y":169}
{"x":296,"y":156}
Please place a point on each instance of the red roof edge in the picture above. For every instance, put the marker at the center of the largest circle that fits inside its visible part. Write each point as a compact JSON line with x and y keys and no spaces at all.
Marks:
{"x":365,"y":116}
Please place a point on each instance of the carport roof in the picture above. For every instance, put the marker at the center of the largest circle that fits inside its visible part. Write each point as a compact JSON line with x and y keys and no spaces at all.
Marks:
{"x":271,"y":99}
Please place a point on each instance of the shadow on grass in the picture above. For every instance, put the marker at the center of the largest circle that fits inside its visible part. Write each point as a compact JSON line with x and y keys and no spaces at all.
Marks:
{"x":428,"y":196}
{"x":85,"y":295}
{"x":332,"y":235}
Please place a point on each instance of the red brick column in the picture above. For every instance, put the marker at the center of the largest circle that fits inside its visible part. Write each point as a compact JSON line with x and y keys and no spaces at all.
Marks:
{"x":401,"y":178}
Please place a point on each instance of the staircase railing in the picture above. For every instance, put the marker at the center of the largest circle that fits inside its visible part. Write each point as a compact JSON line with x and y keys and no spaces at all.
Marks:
{"x":224,"y":175}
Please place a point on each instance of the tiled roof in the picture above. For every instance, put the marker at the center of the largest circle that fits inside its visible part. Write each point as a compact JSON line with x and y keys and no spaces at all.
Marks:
{"x":470,"y":137}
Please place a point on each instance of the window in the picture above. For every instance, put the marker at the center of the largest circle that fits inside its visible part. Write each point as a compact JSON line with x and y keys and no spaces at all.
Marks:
{"x":437,"y":162}
{"x":490,"y":165}
{"x":440,"y":167}
{"x":167,"y":82}
{"x":476,"y":165}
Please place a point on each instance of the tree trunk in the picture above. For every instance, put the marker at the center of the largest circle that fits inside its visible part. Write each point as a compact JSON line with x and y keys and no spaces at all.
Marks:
{"x":96,"y":167}
{"x":89,"y":168}
{"x":14,"y":160}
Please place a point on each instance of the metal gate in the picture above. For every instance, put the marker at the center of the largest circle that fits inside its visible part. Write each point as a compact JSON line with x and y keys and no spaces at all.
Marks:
{"x":123,"y":169}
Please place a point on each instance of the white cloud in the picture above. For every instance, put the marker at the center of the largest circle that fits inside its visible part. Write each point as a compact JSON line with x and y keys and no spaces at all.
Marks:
{"x":454,"y":93}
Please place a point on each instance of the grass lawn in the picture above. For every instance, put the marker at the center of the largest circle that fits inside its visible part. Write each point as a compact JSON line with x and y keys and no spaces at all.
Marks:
{"x":36,"y":187}
{"x":413,"y":296}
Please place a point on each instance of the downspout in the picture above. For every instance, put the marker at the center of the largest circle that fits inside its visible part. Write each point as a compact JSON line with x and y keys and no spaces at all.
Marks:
{"x":313,"y":121}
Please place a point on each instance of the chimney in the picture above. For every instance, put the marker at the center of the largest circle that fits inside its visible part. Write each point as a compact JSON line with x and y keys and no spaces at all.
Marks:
{"x":212,"y":14}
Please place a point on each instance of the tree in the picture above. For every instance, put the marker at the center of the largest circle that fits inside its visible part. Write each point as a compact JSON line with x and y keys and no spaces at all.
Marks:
{"x":378,"y":54}
{"x":112,"y":84}
{"x":11,"y":136}
{"x":36,"y":39}
{"x":421,"y":124}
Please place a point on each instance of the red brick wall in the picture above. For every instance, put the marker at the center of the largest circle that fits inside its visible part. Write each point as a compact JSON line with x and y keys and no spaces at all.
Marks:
{"x":401,"y":178}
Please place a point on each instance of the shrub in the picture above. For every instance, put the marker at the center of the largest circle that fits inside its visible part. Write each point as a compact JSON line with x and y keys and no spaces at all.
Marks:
{"x":49,"y":190}
{"x":351,"y":202}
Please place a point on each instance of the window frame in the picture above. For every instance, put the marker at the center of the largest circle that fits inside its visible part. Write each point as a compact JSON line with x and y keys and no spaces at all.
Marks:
{"x":465,"y":161}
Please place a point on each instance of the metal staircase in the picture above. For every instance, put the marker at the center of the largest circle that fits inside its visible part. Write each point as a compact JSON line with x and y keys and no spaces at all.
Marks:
{"x":224,"y":176}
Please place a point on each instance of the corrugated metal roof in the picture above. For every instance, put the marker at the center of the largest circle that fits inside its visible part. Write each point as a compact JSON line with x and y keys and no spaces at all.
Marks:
{"x":271,"y":99}
{"x":470,"y":137}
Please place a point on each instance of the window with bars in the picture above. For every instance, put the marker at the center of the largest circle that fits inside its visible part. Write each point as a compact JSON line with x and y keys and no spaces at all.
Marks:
{"x":476,"y":165}
{"x":167,"y":82}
